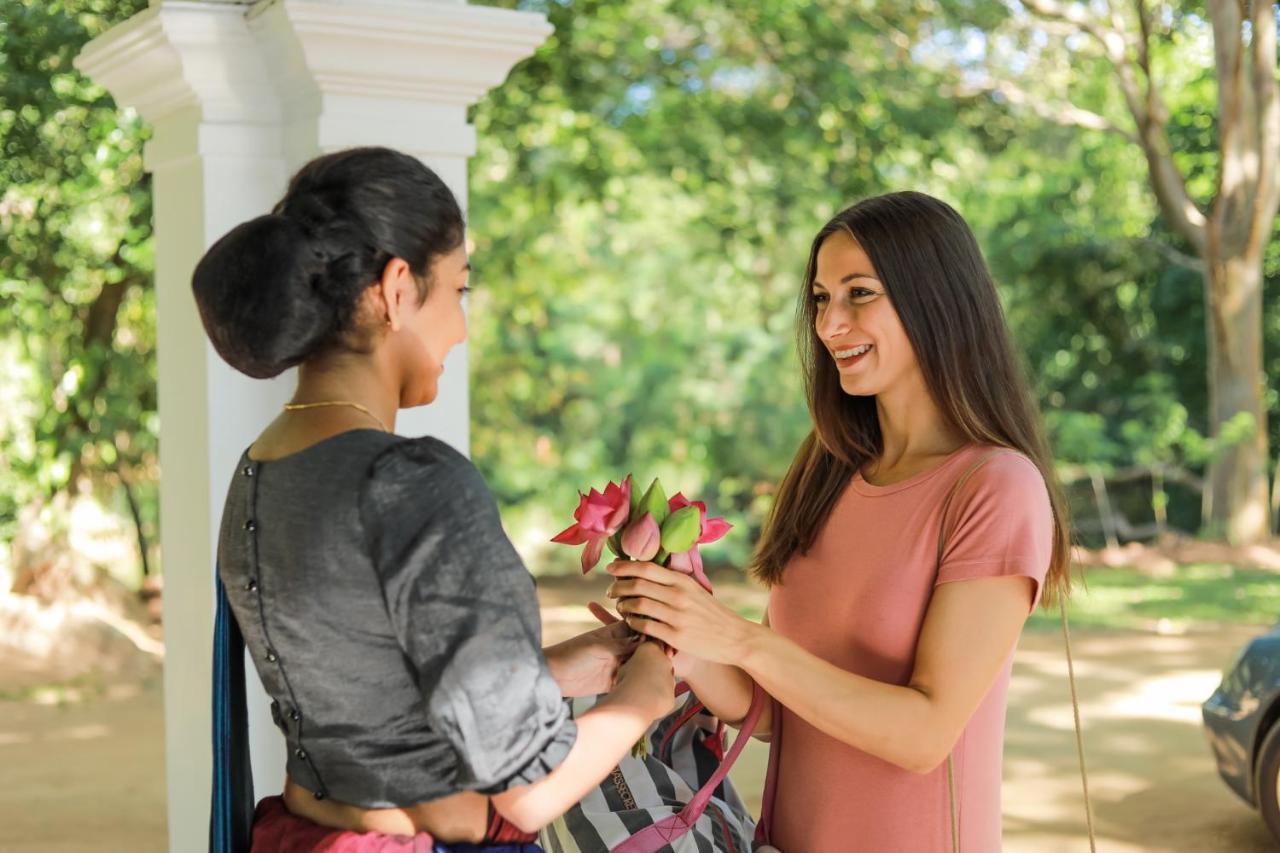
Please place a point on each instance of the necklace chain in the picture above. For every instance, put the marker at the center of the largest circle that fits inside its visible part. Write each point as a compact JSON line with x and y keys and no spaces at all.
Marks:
{"x":295,"y":407}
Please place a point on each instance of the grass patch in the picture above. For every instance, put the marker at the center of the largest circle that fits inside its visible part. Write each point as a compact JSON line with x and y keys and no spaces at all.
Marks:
{"x":1129,"y":599}
{"x":58,"y":693}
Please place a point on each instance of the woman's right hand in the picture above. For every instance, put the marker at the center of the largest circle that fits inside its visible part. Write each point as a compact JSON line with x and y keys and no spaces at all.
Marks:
{"x":644,"y":691}
{"x":648,"y":681}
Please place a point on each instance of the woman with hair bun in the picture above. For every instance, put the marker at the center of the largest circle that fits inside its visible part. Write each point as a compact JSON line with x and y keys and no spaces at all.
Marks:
{"x":387,"y":614}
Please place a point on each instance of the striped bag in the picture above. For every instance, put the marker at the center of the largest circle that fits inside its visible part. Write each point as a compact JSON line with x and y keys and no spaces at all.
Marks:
{"x":677,"y":798}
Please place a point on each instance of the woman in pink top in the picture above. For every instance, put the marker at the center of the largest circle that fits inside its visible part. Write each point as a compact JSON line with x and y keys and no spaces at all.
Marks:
{"x":884,"y":660}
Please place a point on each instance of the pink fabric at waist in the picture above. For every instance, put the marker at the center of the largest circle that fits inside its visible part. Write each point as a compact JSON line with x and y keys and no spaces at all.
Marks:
{"x":278,"y":830}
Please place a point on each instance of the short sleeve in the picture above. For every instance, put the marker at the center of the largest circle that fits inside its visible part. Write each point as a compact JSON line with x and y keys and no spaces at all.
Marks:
{"x":1000,"y":524}
{"x":464,"y":609}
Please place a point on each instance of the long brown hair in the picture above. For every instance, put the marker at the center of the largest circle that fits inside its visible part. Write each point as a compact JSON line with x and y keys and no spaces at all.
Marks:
{"x":933,"y":271}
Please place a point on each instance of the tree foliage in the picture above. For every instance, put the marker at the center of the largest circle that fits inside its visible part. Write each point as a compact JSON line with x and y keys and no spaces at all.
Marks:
{"x":648,"y":184}
{"x":642,"y":203}
{"x":1194,"y":92}
{"x":77,"y":315}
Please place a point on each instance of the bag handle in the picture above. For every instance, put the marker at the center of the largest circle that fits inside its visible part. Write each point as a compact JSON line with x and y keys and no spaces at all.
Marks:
{"x":764,"y":829}
{"x":1084,"y":773}
{"x":658,"y":835}
{"x":1075,"y":710}
{"x":942,"y":538}
{"x":1071,"y":678}
{"x":231,"y":798}
{"x":692,"y":710}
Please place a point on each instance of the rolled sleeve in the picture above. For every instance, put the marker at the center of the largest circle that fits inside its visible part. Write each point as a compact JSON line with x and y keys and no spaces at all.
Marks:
{"x":466,"y":614}
{"x":1000,"y":525}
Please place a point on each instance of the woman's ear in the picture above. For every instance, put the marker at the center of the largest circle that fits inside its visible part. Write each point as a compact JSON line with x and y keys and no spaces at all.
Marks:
{"x":398,"y":291}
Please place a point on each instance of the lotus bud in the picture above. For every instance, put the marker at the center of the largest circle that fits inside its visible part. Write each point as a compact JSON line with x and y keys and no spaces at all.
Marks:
{"x":642,"y":538}
{"x":654,"y":503}
{"x":681,"y":529}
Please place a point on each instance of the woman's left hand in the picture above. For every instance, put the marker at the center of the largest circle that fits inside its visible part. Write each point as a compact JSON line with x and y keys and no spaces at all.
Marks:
{"x":587,"y":665}
{"x":678,"y":611}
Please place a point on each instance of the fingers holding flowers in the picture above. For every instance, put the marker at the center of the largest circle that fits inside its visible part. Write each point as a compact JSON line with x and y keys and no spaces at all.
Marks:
{"x":675,"y":609}
{"x":588,"y":664}
{"x":669,"y":598}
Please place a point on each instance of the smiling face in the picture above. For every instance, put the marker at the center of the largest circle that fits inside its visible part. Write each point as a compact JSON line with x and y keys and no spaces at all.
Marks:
{"x":856,"y":322}
{"x":422,"y":334}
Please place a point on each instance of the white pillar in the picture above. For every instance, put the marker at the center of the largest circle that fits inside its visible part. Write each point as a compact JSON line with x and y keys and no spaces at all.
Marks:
{"x":238,"y":97}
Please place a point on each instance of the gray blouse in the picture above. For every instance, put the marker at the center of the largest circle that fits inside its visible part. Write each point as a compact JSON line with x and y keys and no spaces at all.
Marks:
{"x":391,"y":621}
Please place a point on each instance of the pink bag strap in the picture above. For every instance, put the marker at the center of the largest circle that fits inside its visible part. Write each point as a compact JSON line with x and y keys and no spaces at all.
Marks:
{"x":688,"y":714}
{"x":765,"y":827}
{"x":658,"y":835}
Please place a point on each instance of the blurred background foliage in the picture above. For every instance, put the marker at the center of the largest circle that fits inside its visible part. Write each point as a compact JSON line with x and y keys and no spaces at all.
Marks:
{"x":77,"y":305}
{"x":642,"y":203}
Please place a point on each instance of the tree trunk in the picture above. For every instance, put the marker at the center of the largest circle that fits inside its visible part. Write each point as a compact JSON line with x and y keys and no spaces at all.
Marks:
{"x":1232,"y":238}
{"x":1237,"y":493}
{"x":136,"y":512}
{"x":1275,"y":499}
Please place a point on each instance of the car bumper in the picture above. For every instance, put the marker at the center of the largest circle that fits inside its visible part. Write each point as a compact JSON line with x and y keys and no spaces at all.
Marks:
{"x":1230,"y":734}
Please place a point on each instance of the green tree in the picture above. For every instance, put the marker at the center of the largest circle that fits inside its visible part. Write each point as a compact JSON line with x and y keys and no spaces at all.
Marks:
{"x":77,"y":318}
{"x":646,"y":189}
{"x":1139,"y":72}
{"x":642,"y":202}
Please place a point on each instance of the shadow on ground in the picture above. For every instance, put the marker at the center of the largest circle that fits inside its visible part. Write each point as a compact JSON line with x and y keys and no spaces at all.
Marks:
{"x":83,"y":769}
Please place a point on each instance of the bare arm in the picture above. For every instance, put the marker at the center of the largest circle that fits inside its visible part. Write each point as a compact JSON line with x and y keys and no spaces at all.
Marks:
{"x":726,"y":691}
{"x":606,"y":733}
{"x":969,"y":632}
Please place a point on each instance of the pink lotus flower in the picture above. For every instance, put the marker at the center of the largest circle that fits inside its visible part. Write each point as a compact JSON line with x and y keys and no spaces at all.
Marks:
{"x":712,"y":528}
{"x":599,"y":515}
{"x":690,"y":563}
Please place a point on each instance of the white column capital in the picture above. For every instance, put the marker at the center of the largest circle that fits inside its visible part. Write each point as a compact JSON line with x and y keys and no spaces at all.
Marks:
{"x":335,"y":73}
{"x":430,"y":52}
{"x":193,"y":71}
{"x":181,"y":55}
{"x":390,"y":72}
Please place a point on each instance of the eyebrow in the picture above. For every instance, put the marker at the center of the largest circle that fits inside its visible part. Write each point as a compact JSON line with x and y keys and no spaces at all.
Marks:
{"x":850,"y":277}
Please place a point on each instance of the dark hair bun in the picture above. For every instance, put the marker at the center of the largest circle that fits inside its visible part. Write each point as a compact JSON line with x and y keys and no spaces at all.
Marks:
{"x":285,"y":286}
{"x":260,"y":290}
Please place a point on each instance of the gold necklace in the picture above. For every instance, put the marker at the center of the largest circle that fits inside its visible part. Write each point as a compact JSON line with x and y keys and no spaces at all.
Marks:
{"x":295,"y":407}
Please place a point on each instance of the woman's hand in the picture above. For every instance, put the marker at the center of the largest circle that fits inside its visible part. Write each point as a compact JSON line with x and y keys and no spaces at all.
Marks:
{"x":682,"y":663}
{"x":672,"y":607}
{"x":645,"y":691}
{"x":587,"y":665}
{"x":646,"y":681}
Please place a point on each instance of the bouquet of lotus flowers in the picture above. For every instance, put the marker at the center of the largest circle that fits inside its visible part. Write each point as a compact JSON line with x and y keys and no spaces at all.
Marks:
{"x":647,"y":528}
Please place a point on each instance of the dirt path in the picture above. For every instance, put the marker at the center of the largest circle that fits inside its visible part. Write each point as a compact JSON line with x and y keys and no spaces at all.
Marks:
{"x":1153,"y":781}
{"x":84,"y":777}
{"x":1154,"y":785}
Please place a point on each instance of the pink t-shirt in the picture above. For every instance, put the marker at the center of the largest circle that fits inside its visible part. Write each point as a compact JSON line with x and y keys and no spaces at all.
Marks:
{"x":858,"y":600}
